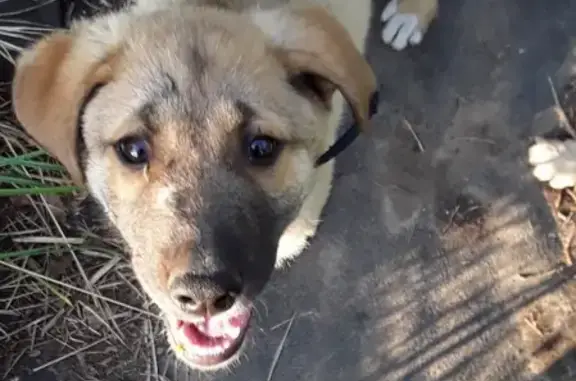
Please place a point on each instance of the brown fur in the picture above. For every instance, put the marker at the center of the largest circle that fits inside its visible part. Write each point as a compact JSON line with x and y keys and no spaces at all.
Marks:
{"x":195,"y":82}
{"x":426,"y":10}
{"x":49,"y":86}
{"x":330,"y":55}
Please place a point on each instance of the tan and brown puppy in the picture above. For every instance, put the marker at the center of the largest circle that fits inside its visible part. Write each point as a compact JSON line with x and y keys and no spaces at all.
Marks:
{"x":196,"y":125}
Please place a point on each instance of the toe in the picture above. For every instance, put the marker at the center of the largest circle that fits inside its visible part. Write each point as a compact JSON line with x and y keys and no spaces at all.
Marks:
{"x":543,"y":152}
{"x":409,"y":25}
{"x":562,"y":181}
{"x":416,"y":38}
{"x":545,"y":172}
{"x":390,"y":10}
{"x":391,"y":29}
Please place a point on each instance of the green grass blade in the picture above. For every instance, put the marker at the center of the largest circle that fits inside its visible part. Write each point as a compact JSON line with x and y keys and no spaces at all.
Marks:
{"x":26,"y":156}
{"x":24,"y":253}
{"x":16,"y":161}
{"x":38,"y":191}
{"x":55,"y":291}
{"x":19,"y":181}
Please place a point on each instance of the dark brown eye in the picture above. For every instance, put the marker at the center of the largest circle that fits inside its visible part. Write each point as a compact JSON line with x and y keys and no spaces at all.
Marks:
{"x":263,"y":150}
{"x":133,"y":151}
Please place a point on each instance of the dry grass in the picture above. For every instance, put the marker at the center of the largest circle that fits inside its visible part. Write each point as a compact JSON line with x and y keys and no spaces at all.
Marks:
{"x":563,"y":202}
{"x":59,"y":281}
{"x":67,"y":292}
{"x":548,"y":326}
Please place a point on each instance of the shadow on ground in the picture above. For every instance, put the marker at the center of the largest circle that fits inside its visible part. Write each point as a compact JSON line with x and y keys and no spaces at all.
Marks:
{"x":421,"y":269}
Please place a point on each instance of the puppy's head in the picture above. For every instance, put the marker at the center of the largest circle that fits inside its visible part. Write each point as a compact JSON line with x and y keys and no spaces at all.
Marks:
{"x":196,"y":130}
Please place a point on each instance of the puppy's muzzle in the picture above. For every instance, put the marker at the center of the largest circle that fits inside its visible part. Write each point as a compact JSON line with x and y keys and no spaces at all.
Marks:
{"x":218,"y":317}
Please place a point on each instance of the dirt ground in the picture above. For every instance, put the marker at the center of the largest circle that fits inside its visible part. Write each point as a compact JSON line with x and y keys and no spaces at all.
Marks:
{"x":439,"y":264}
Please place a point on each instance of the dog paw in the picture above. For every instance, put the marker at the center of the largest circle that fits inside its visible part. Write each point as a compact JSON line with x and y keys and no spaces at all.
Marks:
{"x":295,"y":240}
{"x":554,"y":162}
{"x":291,"y":245}
{"x":400,"y":29}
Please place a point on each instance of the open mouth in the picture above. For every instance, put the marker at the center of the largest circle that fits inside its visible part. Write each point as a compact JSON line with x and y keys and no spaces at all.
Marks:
{"x":212,"y":342}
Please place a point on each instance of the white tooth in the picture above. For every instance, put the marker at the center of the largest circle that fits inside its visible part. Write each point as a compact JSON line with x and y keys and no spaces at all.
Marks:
{"x":233,"y":332}
{"x":210,"y":351}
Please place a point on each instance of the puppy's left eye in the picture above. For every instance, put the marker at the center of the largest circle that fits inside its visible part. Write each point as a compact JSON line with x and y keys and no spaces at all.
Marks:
{"x":133,"y":151}
{"x":263,"y":150}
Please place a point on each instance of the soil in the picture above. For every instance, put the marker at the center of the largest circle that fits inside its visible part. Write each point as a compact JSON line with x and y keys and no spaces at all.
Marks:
{"x":449,"y":264}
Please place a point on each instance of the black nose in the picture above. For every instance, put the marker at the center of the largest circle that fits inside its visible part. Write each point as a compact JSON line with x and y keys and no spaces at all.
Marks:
{"x":205,"y":295}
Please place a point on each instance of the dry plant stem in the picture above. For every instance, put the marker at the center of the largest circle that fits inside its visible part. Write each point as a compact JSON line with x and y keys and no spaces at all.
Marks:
{"x":152,"y":348}
{"x":102,"y":321}
{"x":558,"y":201}
{"x":31,"y":324}
{"x":414,"y":135}
{"x":568,"y":246}
{"x":13,"y":364}
{"x":280,"y":348}
{"x":533,"y":326}
{"x":94,"y":292}
{"x":50,"y":240}
{"x":74,"y":288}
{"x":451,"y":219}
{"x":104,"y":269}
{"x":68,"y":355}
{"x":571,"y":193}
{"x":564,"y":121}
{"x":25,"y":10}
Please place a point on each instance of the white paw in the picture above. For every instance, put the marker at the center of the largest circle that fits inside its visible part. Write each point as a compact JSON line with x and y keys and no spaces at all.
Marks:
{"x":400,"y":29}
{"x":554,"y":162}
{"x":292,"y":244}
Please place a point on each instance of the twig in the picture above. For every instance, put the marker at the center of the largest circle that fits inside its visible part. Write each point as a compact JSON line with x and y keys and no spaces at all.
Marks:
{"x":280,"y":348}
{"x":475,"y":139}
{"x":571,"y":194}
{"x":451,"y":219}
{"x":568,"y":246}
{"x":11,"y":366}
{"x":104,"y":269}
{"x":31,"y":324}
{"x":287,"y":321}
{"x":565,"y":122}
{"x":102,"y":321}
{"x":53,"y":240}
{"x":531,"y":324}
{"x":73,"y":353}
{"x":416,"y":138}
{"x":78,"y":289}
{"x":153,"y":348}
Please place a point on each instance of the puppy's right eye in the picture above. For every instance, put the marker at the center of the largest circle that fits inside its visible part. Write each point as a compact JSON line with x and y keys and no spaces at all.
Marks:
{"x":133,"y":151}
{"x":263,"y":150}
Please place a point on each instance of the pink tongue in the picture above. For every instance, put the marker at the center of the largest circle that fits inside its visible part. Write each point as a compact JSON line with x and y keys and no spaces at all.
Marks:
{"x":198,"y":338}
{"x":214,"y":331}
{"x":210,"y":332}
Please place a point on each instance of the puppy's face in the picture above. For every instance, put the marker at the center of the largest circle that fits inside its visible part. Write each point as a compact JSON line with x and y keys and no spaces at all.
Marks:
{"x":197,"y":132}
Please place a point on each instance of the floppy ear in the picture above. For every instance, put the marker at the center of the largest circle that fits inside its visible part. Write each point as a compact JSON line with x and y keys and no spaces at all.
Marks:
{"x":317,"y":49}
{"x":52,"y":79}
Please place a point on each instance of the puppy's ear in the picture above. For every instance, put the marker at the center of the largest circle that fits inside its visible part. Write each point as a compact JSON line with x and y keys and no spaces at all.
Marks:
{"x":320,"y":55}
{"x":52,"y":79}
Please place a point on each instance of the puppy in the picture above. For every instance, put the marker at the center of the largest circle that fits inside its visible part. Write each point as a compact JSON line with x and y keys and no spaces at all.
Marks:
{"x":201,"y":129}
